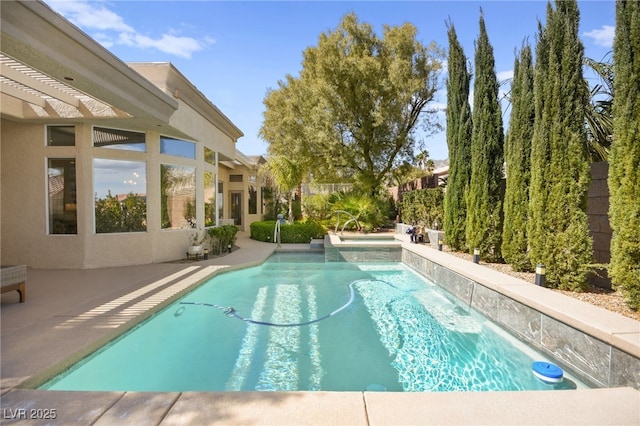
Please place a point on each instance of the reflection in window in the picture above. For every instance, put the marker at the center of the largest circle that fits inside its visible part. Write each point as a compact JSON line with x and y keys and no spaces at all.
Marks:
{"x":221,"y":200}
{"x":178,"y":147}
{"x":119,"y":139}
{"x":178,"y":196}
{"x":209,"y":156}
{"x":209,"y":198}
{"x":61,"y":136}
{"x":253,"y":200}
{"x":120,"y":192}
{"x":61,"y":181}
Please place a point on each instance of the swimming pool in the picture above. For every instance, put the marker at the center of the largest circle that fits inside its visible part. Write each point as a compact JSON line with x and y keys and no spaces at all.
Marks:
{"x":400,"y":333}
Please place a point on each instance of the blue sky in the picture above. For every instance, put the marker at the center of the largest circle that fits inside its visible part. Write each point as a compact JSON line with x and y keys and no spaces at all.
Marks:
{"x":234,"y":51}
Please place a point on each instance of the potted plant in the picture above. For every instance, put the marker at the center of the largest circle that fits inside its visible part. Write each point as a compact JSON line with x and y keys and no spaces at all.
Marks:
{"x":195,"y":248}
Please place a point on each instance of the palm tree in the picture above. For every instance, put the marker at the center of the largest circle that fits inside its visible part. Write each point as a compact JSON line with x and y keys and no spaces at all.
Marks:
{"x":599,"y":117}
{"x":287,"y":175}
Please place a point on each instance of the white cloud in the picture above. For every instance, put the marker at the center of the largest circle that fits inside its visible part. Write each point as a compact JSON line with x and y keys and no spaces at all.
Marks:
{"x":504,"y":75}
{"x":113,"y":30}
{"x":602,"y":36}
{"x":92,"y":16}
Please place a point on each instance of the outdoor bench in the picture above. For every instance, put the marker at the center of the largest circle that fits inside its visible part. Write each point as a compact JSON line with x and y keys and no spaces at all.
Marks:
{"x":14,"y":277}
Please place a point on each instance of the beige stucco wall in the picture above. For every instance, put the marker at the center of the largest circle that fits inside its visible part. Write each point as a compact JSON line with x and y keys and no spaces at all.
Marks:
{"x":24,"y":197}
{"x":100,"y":89}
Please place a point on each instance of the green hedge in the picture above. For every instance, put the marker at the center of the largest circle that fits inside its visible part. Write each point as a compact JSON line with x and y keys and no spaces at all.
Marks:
{"x":298,"y":232}
{"x":423,"y":206}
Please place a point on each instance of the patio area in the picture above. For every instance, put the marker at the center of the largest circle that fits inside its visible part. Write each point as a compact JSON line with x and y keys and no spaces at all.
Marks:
{"x":70,"y":313}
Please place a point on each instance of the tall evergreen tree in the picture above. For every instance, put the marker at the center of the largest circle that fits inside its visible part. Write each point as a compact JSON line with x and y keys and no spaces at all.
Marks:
{"x":486,"y":190}
{"x":558,"y":228}
{"x":517,"y":151}
{"x":459,"y":128}
{"x":624,"y":159}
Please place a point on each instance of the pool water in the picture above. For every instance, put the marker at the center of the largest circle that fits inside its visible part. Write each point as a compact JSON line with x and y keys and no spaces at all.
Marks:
{"x":401,"y":333}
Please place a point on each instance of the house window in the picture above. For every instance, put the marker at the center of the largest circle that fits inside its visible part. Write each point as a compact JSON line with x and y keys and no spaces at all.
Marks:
{"x":209,"y":156}
{"x":61,"y":136}
{"x":61,"y":183}
{"x":209,"y":198}
{"x":177,"y":147}
{"x":119,"y":139}
{"x":253,"y":200}
{"x":220,"y":200}
{"x":235,"y":178}
{"x":178,"y":196}
{"x":120,"y":195}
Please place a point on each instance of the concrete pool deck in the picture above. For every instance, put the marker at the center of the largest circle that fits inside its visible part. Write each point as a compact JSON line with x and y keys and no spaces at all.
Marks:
{"x":69,"y":313}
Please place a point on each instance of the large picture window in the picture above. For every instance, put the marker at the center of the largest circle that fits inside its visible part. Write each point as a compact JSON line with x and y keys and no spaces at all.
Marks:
{"x":61,"y":182}
{"x":120,"y":191}
{"x":119,"y":139}
{"x":178,"y":195}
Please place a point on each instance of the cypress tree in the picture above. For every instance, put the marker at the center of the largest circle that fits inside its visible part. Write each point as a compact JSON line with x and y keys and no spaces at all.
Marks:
{"x":458,"y":142}
{"x":517,"y":151}
{"x":624,"y":158}
{"x":558,"y":228}
{"x":486,"y":189}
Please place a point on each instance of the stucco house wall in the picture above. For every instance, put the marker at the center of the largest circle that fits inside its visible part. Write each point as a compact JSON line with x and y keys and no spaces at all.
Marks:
{"x":94,"y":88}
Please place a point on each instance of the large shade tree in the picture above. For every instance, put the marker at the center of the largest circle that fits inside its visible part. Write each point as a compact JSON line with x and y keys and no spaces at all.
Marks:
{"x":624,"y":161}
{"x":357,"y":103}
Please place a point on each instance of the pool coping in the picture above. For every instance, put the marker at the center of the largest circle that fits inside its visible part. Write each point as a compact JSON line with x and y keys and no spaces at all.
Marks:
{"x":30,"y":345}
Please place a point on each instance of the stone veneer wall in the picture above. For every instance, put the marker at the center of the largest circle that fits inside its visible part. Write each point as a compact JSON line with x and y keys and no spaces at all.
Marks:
{"x":589,"y":358}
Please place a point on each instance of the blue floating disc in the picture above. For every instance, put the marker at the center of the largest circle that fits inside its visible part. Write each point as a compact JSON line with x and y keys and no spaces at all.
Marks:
{"x":547,"y":372}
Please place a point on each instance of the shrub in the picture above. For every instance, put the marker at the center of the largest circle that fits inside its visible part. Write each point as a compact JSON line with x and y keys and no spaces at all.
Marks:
{"x":370,"y":212}
{"x":221,"y":237}
{"x":424,"y":206}
{"x":298,"y":232}
{"x":317,"y":206}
